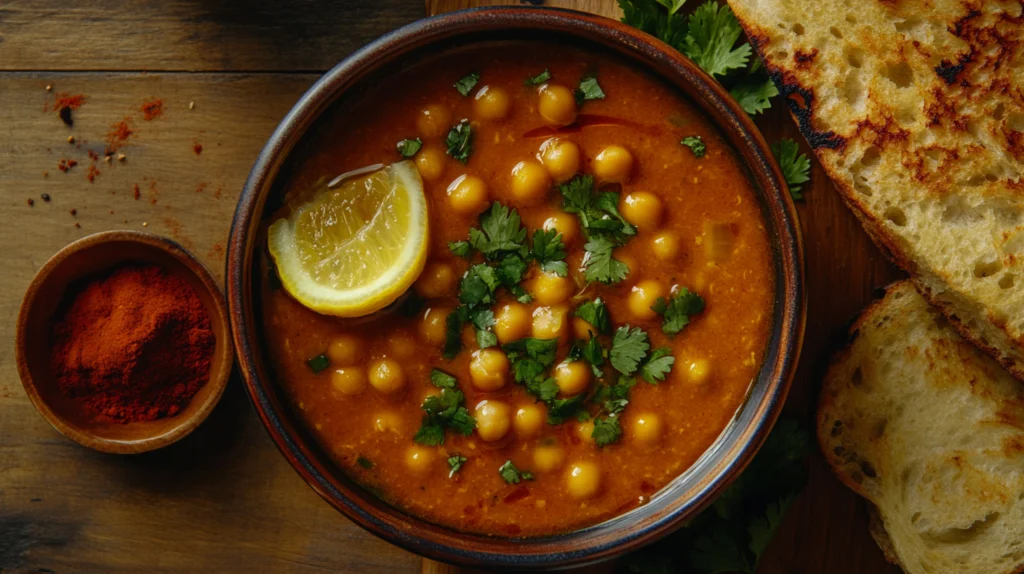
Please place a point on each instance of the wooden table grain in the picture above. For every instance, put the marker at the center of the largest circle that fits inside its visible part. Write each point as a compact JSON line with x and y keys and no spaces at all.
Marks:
{"x":227,"y":71}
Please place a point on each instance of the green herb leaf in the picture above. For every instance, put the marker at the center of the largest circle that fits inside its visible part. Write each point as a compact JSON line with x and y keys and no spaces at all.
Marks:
{"x":754,"y":93}
{"x":443,"y":380}
{"x":460,"y":141}
{"x":549,"y":251}
{"x":538,"y":79}
{"x":485,"y":339}
{"x":678,"y":310}
{"x":513,"y":475}
{"x":588,"y":89}
{"x":606,"y":431}
{"x":657,"y":366}
{"x":445,"y":410}
{"x":796,"y":168}
{"x":598,"y":263}
{"x":408,"y":147}
{"x":651,"y":16}
{"x":672,"y":5}
{"x":478,"y":285}
{"x":318,"y":363}
{"x":466,"y":83}
{"x":431,"y":433}
{"x":460,"y":248}
{"x":596,"y":313}
{"x":713,"y":31}
{"x":511,"y":270}
{"x":629,"y":347}
{"x":455,"y":463}
{"x":364,"y":462}
{"x":696,"y":145}
{"x":501,"y":232}
{"x":561,"y":409}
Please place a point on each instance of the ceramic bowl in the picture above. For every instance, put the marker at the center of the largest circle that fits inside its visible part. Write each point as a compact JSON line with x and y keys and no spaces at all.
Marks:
{"x":96,"y":254}
{"x":685,"y":496}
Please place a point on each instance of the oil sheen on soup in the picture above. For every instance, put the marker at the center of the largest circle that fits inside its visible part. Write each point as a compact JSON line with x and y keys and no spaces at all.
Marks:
{"x":619,"y":279}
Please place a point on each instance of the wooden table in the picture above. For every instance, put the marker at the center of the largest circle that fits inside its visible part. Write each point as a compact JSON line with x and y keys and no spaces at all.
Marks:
{"x":227,"y":71}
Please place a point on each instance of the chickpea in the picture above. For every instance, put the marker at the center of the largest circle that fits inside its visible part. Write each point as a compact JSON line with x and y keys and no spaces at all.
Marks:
{"x":491,"y":103}
{"x":560,"y":158}
{"x":349,"y":380}
{"x":551,"y":289}
{"x":549,"y":323}
{"x":564,"y":223}
{"x":548,"y":457}
{"x":434,"y":120}
{"x":699,"y":371}
{"x":573,"y":377}
{"x":345,"y":350}
{"x":511,"y":322}
{"x":386,"y":375}
{"x":613,"y":164}
{"x":643,"y":295}
{"x":557,"y":104}
{"x":585,"y":432}
{"x":401,"y":345}
{"x":493,"y":419}
{"x":642,"y":209}
{"x":529,"y":420}
{"x":430,"y":162}
{"x":647,"y":428}
{"x":467,"y":195}
{"x":437,"y":280}
{"x":418,"y":458}
{"x":665,"y":246}
{"x":583,"y":480}
{"x":387,"y":421}
{"x":530,"y":181}
{"x":583,"y":330}
{"x":434,"y":326}
{"x":488,"y":369}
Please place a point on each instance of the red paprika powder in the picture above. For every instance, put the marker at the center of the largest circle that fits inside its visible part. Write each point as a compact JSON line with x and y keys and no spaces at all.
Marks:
{"x":132,"y":345}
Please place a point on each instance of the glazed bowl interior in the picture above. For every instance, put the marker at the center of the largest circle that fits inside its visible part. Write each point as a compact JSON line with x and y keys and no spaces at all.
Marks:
{"x":682,"y":498}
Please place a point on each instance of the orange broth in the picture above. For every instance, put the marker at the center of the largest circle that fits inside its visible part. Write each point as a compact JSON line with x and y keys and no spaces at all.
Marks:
{"x":701,"y":197}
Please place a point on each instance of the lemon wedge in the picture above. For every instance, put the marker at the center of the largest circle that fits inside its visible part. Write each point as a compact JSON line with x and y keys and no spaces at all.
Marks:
{"x":355,"y":248}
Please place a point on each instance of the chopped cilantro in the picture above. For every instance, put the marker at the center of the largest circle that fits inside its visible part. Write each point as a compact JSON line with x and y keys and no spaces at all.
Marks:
{"x":657,"y":366}
{"x":538,"y":79}
{"x":678,"y":310}
{"x":460,"y":248}
{"x":530,"y":359}
{"x":549,"y":251}
{"x":605,"y":227}
{"x":596,"y":313}
{"x":485,"y":338}
{"x":408,"y":147}
{"x":615,"y":406}
{"x":455,"y":463}
{"x":594,"y":354}
{"x":659,"y":18}
{"x":629,"y":347}
{"x":460,"y":141}
{"x":561,"y":409}
{"x":598,"y":263}
{"x":513,"y":475}
{"x":696,"y":145}
{"x":510,"y":271}
{"x":318,"y":363}
{"x":711,"y":37}
{"x":606,"y":430}
{"x":795,"y":168}
{"x":444,"y":411}
{"x":466,"y":83}
{"x":542,"y":350}
{"x":478,"y":285}
{"x":453,"y":331}
{"x":501,"y":231}
{"x":588,"y":89}
{"x":364,"y":462}
{"x":443,"y":380}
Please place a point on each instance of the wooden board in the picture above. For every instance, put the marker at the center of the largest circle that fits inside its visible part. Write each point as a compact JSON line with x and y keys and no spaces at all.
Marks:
{"x":224,"y":499}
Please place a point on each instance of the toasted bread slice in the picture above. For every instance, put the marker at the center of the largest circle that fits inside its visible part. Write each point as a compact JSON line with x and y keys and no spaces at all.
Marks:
{"x":931,"y":431}
{"x":916,"y":110}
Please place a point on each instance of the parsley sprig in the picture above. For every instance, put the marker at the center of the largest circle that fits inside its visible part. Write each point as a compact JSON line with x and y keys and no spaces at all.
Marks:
{"x":460,"y":141}
{"x":444,"y":411}
{"x":677,"y":310}
{"x":605,"y":227}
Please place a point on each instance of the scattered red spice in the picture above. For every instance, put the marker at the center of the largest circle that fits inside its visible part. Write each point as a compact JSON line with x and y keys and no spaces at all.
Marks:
{"x":93,"y":155}
{"x":78,"y":225}
{"x":65,"y":164}
{"x":64,"y":103}
{"x":73,"y":211}
{"x":118,"y":135}
{"x":136,"y":193}
{"x":152,"y":108}
{"x":201,"y":187}
{"x":45,"y":197}
{"x":46,"y":174}
{"x":92,"y":173}
{"x":31,"y":202}
{"x":197,"y":148}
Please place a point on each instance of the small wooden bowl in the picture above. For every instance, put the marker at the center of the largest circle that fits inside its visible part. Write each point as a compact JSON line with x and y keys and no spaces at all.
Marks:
{"x":84,"y":257}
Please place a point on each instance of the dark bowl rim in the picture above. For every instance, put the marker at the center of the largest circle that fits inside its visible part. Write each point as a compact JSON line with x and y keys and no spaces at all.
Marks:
{"x":420,"y":536}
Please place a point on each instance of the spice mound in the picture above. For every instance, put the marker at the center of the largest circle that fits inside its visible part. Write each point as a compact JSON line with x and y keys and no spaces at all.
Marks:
{"x":132,"y":345}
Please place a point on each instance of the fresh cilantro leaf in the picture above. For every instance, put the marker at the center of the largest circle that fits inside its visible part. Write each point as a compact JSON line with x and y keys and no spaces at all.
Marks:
{"x":466,"y":83}
{"x":318,"y":363}
{"x":657,"y":366}
{"x":460,"y":141}
{"x":482,"y":318}
{"x":795,"y":168}
{"x":485,"y":339}
{"x":453,"y":331}
{"x":598,"y":212}
{"x":478,"y":285}
{"x":629,"y":347}
{"x":754,"y":93}
{"x":598,"y":263}
{"x":513,"y":475}
{"x":651,"y":16}
{"x":529,"y":359}
{"x":538,"y":79}
{"x":511,"y":270}
{"x":443,"y":380}
{"x":431,"y":433}
{"x":561,"y":409}
{"x":696,"y":145}
{"x":615,"y":406}
{"x":596,"y":313}
{"x":588,"y":89}
{"x":762,"y":528}
{"x":549,"y":251}
{"x":501,"y":232}
{"x":455,"y":463}
{"x":594,"y":354}
{"x":542,"y":350}
{"x":719,"y":551}
{"x":462,"y":422}
{"x":408,"y":147}
{"x":364,"y":462}
{"x":678,"y":310}
{"x":712,"y":32}
{"x":521,"y":295}
{"x":543,"y":389}
{"x":606,"y":431}
{"x":460,"y":248}
{"x":673,"y":6}
{"x":445,"y":410}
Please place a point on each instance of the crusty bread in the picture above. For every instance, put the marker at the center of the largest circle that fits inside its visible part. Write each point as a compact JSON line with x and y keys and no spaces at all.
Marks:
{"x":931,"y":431}
{"x":916,"y":110}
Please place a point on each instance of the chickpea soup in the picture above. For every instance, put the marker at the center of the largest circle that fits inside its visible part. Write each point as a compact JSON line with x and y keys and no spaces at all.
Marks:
{"x":594,"y":302}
